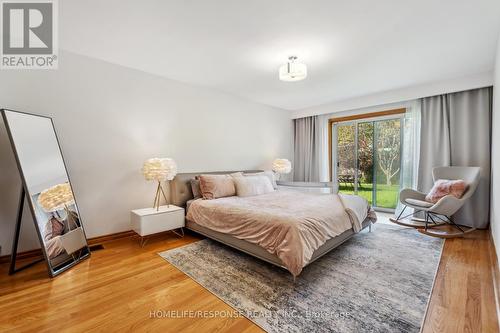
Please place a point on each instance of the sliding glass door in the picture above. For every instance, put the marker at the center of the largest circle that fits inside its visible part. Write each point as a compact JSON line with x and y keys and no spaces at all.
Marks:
{"x":346,"y":156}
{"x":387,"y":162}
{"x":367,"y":158}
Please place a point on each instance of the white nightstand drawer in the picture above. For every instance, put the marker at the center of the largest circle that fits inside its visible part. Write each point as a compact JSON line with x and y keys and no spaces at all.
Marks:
{"x":149,"y":221}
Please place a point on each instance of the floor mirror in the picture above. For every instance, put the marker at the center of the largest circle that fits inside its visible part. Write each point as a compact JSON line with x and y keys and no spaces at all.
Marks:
{"x":47,"y":190}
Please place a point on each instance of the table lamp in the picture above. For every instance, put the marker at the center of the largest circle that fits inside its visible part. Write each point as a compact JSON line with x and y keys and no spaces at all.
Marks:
{"x":282,"y":166}
{"x":159,"y":169}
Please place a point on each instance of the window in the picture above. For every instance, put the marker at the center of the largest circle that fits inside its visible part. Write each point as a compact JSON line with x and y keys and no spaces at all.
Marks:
{"x":365,"y":156}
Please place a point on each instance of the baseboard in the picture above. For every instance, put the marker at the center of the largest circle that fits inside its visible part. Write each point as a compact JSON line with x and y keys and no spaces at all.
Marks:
{"x":37,"y":253}
{"x":31,"y":254}
{"x":495,"y":270}
{"x":111,"y":237}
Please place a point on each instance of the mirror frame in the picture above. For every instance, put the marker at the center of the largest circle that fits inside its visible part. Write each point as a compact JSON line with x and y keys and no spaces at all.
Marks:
{"x":28,"y":198}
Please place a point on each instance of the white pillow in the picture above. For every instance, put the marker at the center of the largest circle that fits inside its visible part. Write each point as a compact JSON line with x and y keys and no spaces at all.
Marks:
{"x":268,"y":174}
{"x":255,"y":185}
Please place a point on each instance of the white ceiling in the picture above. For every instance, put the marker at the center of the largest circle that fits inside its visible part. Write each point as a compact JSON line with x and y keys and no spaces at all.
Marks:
{"x":352,"y":48}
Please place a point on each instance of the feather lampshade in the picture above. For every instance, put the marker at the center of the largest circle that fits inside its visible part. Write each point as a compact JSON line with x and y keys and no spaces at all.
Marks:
{"x":282,"y":166}
{"x":159,"y":169}
{"x":56,"y":198}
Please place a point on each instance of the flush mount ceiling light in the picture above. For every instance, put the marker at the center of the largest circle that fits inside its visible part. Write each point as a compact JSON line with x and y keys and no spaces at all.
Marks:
{"x":292,"y":70}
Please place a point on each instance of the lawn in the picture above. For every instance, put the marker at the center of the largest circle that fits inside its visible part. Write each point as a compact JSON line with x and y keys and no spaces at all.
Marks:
{"x":387,"y":195}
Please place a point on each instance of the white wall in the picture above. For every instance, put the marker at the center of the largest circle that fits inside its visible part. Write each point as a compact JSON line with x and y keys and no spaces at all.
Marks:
{"x":400,"y":95}
{"x":109,"y":119}
{"x":495,"y":159}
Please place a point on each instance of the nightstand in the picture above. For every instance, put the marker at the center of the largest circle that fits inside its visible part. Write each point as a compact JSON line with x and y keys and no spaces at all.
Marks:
{"x":149,"y":221}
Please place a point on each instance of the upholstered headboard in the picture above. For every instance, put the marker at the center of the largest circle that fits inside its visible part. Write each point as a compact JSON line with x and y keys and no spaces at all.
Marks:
{"x":180,"y":186}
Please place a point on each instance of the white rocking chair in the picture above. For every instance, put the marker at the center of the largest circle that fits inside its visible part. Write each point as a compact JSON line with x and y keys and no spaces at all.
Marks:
{"x":439,"y":213}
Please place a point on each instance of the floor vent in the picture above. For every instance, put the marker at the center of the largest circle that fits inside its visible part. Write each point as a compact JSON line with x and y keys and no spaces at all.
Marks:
{"x":96,"y":247}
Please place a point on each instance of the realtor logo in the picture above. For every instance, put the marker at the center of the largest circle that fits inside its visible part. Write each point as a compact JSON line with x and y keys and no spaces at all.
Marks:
{"x":29,"y":34}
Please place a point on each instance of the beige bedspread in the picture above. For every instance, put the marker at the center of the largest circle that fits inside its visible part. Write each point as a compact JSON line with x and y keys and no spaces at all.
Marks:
{"x":289,"y":224}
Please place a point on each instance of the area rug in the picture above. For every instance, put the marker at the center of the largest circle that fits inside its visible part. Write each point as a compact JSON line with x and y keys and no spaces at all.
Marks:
{"x":377,"y":281}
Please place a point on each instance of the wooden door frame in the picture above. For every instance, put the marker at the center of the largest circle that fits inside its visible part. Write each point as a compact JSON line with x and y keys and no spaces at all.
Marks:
{"x":331,"y":121}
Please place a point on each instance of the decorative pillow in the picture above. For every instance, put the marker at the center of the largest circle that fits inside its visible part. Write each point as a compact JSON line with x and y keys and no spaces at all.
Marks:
{"x":443,"y":187}
{"x":255,"y":185}
{"x":53,"y":228}
{"x":195,"y":188}
{"x":268,"y":174}
{"x":217,"y":186}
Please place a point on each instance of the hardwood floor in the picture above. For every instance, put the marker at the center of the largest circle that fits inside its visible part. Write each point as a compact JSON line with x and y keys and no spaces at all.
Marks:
{"x":463,"y":298}
{"x":123,"y":287}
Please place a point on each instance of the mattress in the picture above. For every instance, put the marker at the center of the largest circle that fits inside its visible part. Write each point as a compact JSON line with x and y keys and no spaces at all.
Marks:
{"x":259,"y":252}
{"x":290,"y":225}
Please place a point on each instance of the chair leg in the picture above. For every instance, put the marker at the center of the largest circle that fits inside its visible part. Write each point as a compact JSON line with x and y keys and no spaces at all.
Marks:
{"x":407,"y":215}
{"x":401,"y":212}
{"x":400,"y":219}
{"x":426,"y":220}
{"x":454,"y":224}
{"x":432,"y":219}
{"x":446,"y":234}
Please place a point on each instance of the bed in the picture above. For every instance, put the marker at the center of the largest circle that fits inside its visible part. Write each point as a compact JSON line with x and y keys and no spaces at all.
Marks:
{"x":289,"y":229}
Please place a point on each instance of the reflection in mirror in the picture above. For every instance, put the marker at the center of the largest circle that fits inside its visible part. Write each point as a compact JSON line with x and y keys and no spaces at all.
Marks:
{"x":48,"y":187}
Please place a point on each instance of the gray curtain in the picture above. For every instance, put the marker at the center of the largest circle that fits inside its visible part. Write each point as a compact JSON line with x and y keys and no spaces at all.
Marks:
{"x":456,"y":131}
{"x":307,"y":136}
